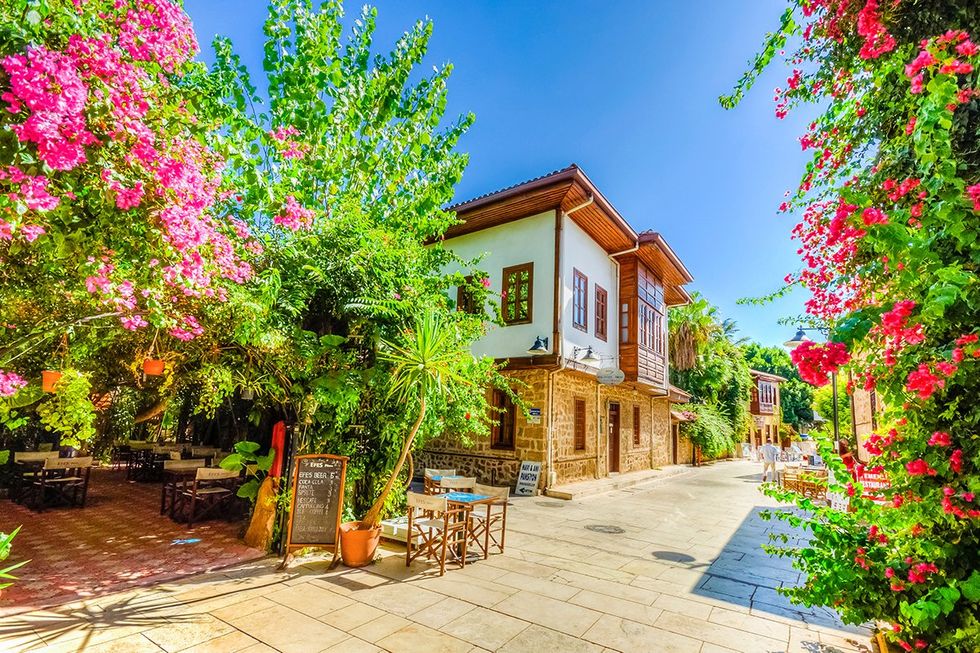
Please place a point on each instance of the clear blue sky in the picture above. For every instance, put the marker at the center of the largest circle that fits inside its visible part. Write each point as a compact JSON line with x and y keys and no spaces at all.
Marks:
{"x":628,"y":91}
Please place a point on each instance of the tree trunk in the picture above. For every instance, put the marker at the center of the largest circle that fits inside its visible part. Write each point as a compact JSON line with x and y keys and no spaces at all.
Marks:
{"x":373,"y":517}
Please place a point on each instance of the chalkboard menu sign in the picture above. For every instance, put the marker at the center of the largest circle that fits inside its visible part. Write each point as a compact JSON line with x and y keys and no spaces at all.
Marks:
{"x":318,"y":500}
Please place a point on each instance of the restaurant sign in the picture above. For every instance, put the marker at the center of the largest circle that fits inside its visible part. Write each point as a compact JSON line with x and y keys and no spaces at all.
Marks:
{"x":610,"y":376}
{"x":317,"y":502}
{"x":527,"y":479}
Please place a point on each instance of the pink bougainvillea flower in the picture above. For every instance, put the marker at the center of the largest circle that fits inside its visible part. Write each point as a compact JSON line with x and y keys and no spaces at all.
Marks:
{"x":940,"y":439}
{"x":10,"y":383}
{"x":293,"y":216}
{"x":919,"y":467}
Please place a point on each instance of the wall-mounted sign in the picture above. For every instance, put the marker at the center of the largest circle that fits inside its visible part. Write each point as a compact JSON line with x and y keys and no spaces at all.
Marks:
{"x":533,"y":415}
{"x":527,"y":479}
{"x":610,"y":376}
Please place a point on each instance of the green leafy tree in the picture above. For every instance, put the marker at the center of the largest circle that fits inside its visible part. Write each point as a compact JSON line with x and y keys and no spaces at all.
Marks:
{"x":708,"y":364}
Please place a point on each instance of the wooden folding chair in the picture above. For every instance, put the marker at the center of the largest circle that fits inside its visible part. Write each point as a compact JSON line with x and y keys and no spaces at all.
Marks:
{"x":457,"y":483}
{"x":488,"y":523}
{"x":213,"y":488}
{"x":436,"y":529}
{"x":65,"y":479}
{"x":431,"y":486}
{"x":175,"y":475}
{"x":27,"y":467}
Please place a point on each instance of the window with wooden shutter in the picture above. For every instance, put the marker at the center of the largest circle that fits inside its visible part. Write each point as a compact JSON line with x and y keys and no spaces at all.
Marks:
{"x":636,"y":425}
{"x":504,"y":418}
{"x":580,"y":301}
{"x":579,"y":425}
{"x":601,"y":312}
{"x":465,"y":301}
{"x":517,"y":295}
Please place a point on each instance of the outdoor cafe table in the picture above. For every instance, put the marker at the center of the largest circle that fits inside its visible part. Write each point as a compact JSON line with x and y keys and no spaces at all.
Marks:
{"x":467,"y":500}
{"x":175,"y":475}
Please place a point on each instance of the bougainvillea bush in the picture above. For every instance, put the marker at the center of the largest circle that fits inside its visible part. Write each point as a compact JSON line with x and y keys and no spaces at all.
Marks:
{"x":113,"y":222}
{"x":890,"y":207}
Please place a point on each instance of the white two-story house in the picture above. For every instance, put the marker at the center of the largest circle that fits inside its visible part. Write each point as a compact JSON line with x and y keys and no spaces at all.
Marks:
{"x":582,"y":295}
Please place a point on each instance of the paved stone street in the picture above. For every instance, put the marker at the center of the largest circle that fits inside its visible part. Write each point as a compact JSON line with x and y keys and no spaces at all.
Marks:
{"x":670,"y":566}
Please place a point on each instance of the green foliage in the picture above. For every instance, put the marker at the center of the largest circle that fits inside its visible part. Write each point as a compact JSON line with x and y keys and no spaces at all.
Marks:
{"x":246,"y":456}
{"x":69,"y":412}
{"x":707,"y":363}
{"x":823,"y":403}
{"x":6,"y":544}
{"x":712,"y":430}
{"x":891,"y":239}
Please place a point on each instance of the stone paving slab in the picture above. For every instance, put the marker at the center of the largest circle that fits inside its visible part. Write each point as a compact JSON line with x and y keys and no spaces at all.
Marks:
{"x":559,"y":588}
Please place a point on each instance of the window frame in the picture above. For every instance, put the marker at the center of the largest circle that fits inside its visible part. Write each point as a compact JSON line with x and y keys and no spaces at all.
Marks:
{"x":579,"y":436}
{"x":465,"y":302}
{"x":504,"y":415}
{"x":508,"y":289}
{"x":580,"y":300}
{"x":601,"y":313}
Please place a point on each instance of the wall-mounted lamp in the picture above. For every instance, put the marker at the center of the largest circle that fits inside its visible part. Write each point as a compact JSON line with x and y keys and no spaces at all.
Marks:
{"x":539,"y":347}
{"x":590,"y":356}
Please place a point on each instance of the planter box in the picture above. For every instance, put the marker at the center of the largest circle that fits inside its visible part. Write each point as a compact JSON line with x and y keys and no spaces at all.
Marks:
{"x":395,"y":529}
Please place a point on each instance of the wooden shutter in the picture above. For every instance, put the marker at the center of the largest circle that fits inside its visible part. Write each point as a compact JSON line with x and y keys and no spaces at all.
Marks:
{"x":636,"y":425}
{"x":579,"y":424}
{"x":518,"y":293}
{"x":601,"y":312}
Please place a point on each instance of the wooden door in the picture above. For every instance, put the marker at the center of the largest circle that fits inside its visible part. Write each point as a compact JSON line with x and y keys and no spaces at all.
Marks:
{"x":613,"y":437}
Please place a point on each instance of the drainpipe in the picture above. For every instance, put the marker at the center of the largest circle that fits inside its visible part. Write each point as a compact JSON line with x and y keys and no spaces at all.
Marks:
{"x":556,"y":339}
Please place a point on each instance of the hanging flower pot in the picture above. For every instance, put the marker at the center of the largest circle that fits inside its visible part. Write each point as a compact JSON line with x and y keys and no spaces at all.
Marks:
{"x":153,"y":367}
{"x":48,"y":379}
{"x":248,"y":394}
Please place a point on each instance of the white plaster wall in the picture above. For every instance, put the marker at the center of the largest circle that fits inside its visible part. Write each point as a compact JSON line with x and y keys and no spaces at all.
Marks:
{"x":580,"y":252}
{"x":530,"y":239}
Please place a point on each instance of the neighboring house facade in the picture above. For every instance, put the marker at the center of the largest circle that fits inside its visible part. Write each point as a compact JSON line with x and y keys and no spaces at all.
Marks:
{"x":585,"y":291}
{"x":767,"y":412}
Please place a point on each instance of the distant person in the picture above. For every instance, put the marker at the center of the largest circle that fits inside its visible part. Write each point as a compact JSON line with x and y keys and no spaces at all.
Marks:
{"x":770,"y":454}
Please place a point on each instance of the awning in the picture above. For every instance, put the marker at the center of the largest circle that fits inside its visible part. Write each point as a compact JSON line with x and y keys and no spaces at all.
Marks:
{"x":678,"y":396}
{"x":682,"y":416}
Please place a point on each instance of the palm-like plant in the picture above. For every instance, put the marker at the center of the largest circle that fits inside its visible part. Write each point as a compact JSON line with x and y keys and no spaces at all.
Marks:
{"x":428,"y":361}
{"x":6,"y":542}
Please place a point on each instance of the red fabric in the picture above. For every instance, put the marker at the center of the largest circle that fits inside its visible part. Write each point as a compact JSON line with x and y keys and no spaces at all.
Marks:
{"x":279,"y":445}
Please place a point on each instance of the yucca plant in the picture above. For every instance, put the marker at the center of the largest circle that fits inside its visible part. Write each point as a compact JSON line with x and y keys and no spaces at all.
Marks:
{"x":6,"y":544}
{"x":427,"y":362}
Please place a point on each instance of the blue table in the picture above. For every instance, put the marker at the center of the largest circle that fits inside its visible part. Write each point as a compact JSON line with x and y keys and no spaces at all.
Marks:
{"x":467,"y":498}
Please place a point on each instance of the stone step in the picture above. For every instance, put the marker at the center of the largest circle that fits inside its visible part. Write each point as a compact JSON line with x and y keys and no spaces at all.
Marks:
{"x":571,"y":491}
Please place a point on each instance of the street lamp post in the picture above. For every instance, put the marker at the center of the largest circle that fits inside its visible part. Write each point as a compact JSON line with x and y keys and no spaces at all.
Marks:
{"x":795,"y":342}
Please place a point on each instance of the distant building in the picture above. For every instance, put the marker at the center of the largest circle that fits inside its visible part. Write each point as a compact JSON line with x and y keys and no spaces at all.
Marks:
{"x":766,"y":410}
{"x":581,"y":291}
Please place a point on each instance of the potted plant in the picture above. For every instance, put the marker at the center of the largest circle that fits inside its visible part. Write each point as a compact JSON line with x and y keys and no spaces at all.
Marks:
{"x":153,"y":366}
{"x":427,"y":363}
{"x":50,"y":378}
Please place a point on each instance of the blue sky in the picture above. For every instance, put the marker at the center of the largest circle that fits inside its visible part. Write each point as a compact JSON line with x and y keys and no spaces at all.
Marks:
{"x":628,"y":91}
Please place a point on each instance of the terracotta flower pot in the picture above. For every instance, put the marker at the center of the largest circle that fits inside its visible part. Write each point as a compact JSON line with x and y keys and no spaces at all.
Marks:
{"x":153,"y":367}
{"x":357,"y":545}
{"x":48,"y":379}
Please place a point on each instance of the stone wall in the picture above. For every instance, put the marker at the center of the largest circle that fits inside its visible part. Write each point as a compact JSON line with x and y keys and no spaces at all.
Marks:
{"x":663,"y":443}
{"x":570,"y":464}
{"x":472,"y":455}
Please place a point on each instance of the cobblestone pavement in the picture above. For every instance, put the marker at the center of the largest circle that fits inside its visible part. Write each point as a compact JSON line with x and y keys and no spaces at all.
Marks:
{"x":685,"y":574}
